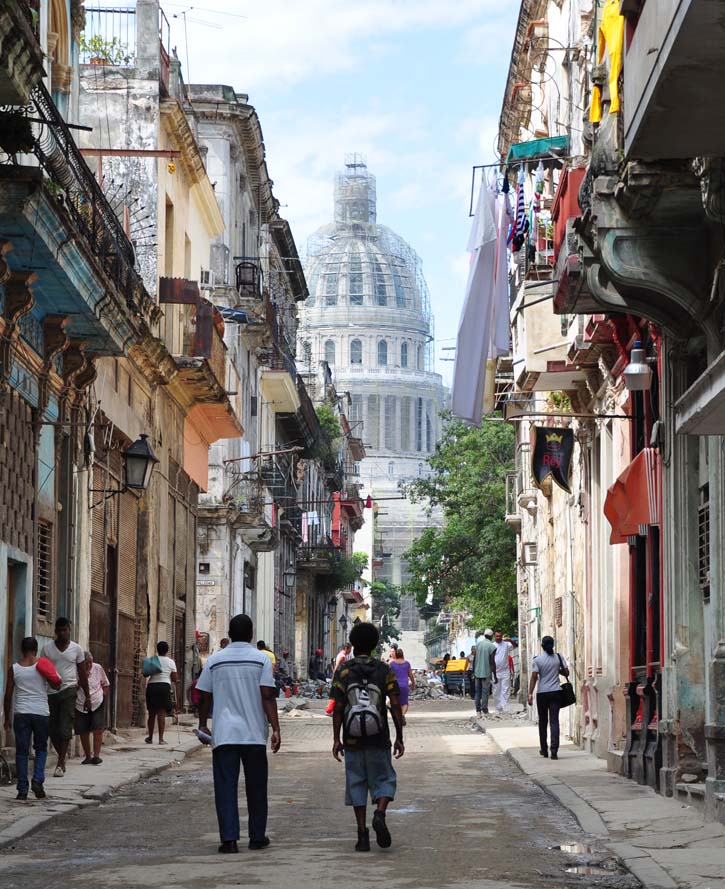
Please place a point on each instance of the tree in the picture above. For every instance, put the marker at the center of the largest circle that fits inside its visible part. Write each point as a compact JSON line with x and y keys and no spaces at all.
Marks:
{"x":468,"y":562}
{"x":386,"y":608}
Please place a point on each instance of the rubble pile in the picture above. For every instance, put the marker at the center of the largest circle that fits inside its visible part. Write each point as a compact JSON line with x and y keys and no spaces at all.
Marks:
{"x":426,"y":688}
{"x":314,"y":688}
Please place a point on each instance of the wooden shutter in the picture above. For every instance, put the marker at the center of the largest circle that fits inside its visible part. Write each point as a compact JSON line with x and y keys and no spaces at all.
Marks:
{"x":180,"y":550}
{"x":127,"y":548}
{"x":98,"y":541}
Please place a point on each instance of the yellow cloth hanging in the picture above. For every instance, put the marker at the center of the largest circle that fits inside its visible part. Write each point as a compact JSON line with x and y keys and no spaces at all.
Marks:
{"x":611,"y":37}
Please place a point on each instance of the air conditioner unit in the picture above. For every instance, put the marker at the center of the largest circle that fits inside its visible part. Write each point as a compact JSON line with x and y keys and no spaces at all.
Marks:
{"x":529,"y":554}
{"x":206,"y":279}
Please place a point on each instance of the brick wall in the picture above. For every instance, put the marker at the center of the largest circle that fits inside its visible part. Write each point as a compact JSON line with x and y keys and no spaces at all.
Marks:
{"x":17,"y":460}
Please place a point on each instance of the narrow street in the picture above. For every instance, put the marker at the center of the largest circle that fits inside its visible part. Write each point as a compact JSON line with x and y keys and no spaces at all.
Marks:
{"x":464,"y":816}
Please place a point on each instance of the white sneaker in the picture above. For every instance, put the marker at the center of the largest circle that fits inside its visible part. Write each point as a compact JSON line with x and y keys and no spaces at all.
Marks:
{"x":59,"y":772}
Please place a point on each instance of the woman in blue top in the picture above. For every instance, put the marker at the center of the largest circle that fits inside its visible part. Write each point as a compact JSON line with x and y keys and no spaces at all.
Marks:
{"x":546,"y":669}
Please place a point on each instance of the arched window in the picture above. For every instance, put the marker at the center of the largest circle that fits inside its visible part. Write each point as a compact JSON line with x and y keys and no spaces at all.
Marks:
{"x":382,"y":352}
{"x":307,"y":353}
{"x":330,"y":352}
{"x":404,"y":355}
{"x":391,"y":468}
{"x":381,"y":291}
{"x":420,"y":358}
{"x":420,"y":470}
{"x":355,"y":281}
{"x":356,"y":352}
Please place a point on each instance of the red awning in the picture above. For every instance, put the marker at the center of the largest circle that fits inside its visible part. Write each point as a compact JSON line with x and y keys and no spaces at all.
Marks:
{"x":634,"y":499}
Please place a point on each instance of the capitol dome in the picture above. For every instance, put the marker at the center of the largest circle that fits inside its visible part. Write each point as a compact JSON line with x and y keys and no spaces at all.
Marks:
{"x":368,"y":317}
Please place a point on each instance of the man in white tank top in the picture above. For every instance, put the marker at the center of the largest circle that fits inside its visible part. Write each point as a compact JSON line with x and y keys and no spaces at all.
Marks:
{"x":26,"y":696}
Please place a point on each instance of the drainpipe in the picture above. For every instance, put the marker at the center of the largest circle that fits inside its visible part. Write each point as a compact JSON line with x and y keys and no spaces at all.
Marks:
{"x":572,"y":601}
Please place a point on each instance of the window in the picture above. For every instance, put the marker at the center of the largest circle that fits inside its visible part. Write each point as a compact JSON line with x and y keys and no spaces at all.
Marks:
{"x":312,"y":287}
{"x":391,"y":468}
{"x":307,"y":353}
{"x":373,"y":422}
{"x":331,"y":283}
{"x":355,"y":281}
{"x":381,"y":291}
{"x":356,"y":413}
{"x":399,"y":291}
{"x":703,"y":542}
{"x":420,"y":358}
{"x":420,"y":470}
{"x":405,"y":407}
{"x":382,"y":352}
{"x":356,"y":352}
{"x":404,"y":355}
{"x":419,"y":424}
{"x":428,"y":434}
{"x":390,"y":424}
{"x":44,"y":571}
{"x":330,"y":352}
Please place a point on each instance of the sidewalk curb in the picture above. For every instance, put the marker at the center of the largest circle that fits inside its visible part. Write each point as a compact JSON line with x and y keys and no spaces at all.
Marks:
{"x":93,"y":796}
{"x":637,"y":861}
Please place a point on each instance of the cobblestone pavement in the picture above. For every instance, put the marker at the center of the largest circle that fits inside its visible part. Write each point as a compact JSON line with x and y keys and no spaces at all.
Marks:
{"x":465,"y":816}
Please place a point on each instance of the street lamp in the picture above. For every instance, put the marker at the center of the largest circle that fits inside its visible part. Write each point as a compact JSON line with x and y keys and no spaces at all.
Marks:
{"x":138,"y":465}
{"x":343,"y":623}
{"x":638,"y":374}
{"x":139,"y":461}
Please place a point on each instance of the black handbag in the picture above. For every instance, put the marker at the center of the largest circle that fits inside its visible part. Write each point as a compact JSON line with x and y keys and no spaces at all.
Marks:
{"x":568,"y":697}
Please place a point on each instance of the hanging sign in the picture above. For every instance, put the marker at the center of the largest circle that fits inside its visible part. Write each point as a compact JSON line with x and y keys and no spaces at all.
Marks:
{"x":551,"y":456}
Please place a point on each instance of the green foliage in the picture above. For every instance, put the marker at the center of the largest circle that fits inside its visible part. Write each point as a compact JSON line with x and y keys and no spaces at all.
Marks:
{"x":113,"y":52}
{"x":386,"y":607}
{"x":361,"y":561}
{"x":468,"y":564}
{"x":329,"y":423}
{"x":343,"y":574}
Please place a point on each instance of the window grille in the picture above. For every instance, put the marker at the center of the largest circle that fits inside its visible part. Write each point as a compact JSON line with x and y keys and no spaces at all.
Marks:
{"x":558,"y":611}
{"x":703,"y":542}
{"x":44,"y":571}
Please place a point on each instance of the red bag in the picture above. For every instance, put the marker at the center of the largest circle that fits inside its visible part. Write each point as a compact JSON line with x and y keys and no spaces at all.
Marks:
{"x":47,"y":670}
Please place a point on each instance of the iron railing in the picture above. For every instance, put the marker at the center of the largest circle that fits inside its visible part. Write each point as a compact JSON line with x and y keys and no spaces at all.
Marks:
{"x":74,"y":186}
{"x":513,"y":489}
{"x":109,"y":36}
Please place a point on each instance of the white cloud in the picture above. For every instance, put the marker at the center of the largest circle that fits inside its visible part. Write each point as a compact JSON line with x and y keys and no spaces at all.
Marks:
{"x":282,"y":42}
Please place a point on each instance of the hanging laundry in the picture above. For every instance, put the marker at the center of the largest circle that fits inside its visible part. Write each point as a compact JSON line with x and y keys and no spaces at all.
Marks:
{"x":304,"y":527}
{"x":611,"y":38}
{"x":521,"y":223}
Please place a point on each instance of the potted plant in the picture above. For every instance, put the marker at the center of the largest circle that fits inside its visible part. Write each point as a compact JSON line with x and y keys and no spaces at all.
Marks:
{"x":103,"y":52}
{"x":16,"y":133}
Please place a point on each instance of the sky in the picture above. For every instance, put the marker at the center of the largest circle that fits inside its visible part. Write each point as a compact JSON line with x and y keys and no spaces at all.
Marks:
{"x":414,"y":85}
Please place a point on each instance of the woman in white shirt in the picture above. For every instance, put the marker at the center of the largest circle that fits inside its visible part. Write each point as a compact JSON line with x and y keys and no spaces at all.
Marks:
{"x":26,"y":694}
{"x":158,"y":693}
{"x":546,"y":669}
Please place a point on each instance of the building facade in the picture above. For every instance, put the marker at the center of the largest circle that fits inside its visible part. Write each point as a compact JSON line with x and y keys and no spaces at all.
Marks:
{"x":622,"y":253}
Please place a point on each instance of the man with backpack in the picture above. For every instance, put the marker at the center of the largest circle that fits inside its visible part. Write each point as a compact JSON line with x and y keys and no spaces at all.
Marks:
{"x":359,"y":689}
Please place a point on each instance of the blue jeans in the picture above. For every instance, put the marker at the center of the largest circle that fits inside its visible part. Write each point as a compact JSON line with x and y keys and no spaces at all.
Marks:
{"x":25,"y":726}
{"x":226,"y":760}
{"x":483,"y":690}
{"x":369,"y":771}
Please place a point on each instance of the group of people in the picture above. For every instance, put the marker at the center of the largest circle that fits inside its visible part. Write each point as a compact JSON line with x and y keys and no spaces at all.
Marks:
{"x":63,"y":691}
{"x":50,"y":697}
{"x":238,"y":684}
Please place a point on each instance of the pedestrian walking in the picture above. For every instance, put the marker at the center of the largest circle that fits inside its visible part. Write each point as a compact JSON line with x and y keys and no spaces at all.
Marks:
{"x":262,"y":646}
{"x":361,"y":732}
{"x":239,"y":682}
{"x":69,"y":661}
{"x":504,"y":672}
{"x":26,"y":696}
{"x":344,"y":654}
{"x":471,"y":674}
{"x":92,"y":721}
{"x":485,"y":671}
{"x":406,"y":680}
{"x":158,"y":693}
{"x":546,"y":669}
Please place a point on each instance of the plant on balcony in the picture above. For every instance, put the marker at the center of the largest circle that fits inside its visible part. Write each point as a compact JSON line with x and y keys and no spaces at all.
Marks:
{"x":344,"y":573}
{"x":361,"y":561}
{"x":386,"y":608}
{"x":103,"y":52}
{"x":328,"y":446}
{"x":16,"y":133}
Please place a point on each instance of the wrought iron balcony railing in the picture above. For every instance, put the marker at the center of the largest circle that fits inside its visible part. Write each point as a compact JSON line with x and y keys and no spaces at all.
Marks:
{"x":71,"y":182}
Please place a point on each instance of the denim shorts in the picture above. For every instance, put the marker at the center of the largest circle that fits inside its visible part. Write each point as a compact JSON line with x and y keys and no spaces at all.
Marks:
{"x":369,"y":771}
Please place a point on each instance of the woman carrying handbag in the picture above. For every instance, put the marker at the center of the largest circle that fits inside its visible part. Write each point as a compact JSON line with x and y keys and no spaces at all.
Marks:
{"x":551,"y":696}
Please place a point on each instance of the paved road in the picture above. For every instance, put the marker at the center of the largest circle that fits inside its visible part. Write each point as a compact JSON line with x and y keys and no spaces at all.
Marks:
{"x":465,"y":817}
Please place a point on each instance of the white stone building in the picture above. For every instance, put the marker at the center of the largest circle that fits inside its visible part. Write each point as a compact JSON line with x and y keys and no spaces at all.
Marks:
{"x":368,"y":316}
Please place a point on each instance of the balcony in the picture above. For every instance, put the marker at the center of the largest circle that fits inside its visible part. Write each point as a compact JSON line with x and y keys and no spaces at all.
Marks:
{"x":249,"y":280}
{"x":246,"y":495}
{"x":21,"y":57}
{"x":318,"y":558}
{"x":60,"y":225}
{"x":278,"y":475}
{"x":670,"y":107}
